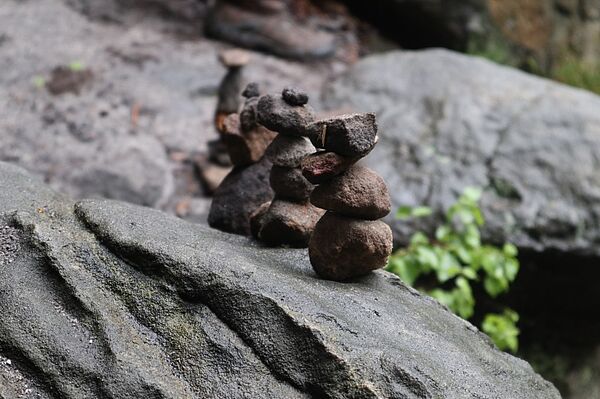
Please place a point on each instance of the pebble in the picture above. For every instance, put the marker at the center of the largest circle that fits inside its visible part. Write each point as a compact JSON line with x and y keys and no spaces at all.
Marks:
{"x":252,"y":90}
{"x":294,"y":96}
{"x":343,"y":248}
{"x":248,"y":148}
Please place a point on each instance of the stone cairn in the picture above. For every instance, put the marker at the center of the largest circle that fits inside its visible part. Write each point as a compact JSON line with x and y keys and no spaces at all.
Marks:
{"x":246,"y":187}
{"x":290,"y":218}
{"x":229,"y":101}
{"x":348,"y":241}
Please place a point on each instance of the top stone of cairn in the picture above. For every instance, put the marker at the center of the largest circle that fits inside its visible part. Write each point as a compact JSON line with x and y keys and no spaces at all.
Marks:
{"x":351,"y":135}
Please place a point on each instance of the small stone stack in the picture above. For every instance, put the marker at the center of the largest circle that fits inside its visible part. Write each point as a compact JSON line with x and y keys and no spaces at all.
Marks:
{"x":290,"y":218}
{"x":246,"y":140}
{"x":348,"y":241}
{"x":246,"y":187}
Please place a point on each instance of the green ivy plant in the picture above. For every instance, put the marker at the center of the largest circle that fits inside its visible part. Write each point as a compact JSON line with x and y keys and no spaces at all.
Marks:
{"x":447,"y":265}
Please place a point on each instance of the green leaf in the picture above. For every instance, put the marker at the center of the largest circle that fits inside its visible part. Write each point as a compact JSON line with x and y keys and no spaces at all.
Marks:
{"x":472,"y":237}
{"x":76,"y":66}
{"x":443,"y":233}
{"x":421,"y":211}
{"x":403,"y":268}
{"x":472,"y":194}
{"x":494,"y":286}
{"x":448,"y":267}
{"x":502,"y":329}
{"x":427,"y":257}
{"x":419,"y":239}
{"x":404,"y":212}
{"x":510,"y":250}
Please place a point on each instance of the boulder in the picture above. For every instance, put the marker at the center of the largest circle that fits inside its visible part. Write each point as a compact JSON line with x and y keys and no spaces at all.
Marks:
{"x":238,"y":196}
{"x":108,"y":299}
{"x":448,"y":121}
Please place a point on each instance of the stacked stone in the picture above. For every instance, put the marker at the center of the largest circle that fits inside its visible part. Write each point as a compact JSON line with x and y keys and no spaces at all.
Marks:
{"x":290,"y":218}
{"x":348,"y":241}
{"x":245,"y":139}
{"x":246,"y":187}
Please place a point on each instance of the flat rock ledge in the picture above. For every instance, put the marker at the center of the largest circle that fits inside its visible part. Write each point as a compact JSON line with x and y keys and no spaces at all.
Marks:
{"x":107,"y":299}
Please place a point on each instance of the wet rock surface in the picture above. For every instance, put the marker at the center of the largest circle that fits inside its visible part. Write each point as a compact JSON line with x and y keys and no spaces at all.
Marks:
{"x":153,"y":306}
{"x":514,"y":134}
{"x":359,"y":192}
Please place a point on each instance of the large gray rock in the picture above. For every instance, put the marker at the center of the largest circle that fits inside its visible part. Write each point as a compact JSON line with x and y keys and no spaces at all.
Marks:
{"x":108,"y":299}
{"x":136,"y":126}
{"x":447,"y":121}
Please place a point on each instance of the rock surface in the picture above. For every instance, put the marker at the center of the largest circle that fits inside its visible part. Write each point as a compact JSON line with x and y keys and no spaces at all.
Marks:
{"x":238,"y":196}
{"x":359,"y":192}
{"x":531,"y":143}
{"x":137,"y":125}
{"x":107,"y":299}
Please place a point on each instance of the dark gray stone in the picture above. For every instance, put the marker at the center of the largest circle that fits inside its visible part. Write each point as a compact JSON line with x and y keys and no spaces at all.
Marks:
{"x":290,"y":184}
{"x":294,"y":96}
{"x":288,"y":151}
{"x":277,"y":115}
{"x":448,"y":121}
{"x":352,"y":135}
{"x":238,"y":196}
{"x":289,"y":223}
{"x":323,"y":166}
{"x":107,"y":299}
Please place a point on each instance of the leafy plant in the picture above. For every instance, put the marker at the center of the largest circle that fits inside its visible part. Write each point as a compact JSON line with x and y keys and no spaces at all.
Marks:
{"x":446,"y":266}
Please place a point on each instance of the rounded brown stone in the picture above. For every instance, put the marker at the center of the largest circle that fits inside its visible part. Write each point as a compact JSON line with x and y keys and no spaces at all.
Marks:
{"x":288,"y":151}
{"x":290,"y":184}
{"x":359,"y":192}
{"x":342,"y":248}
{"x":323,"y":166}
{"x":245,"y":148}
{"x":289,"y":223}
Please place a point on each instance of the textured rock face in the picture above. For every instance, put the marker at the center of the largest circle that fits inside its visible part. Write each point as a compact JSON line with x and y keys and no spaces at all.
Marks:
{"x":106,"y":299}
{"x":531,"y":143}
